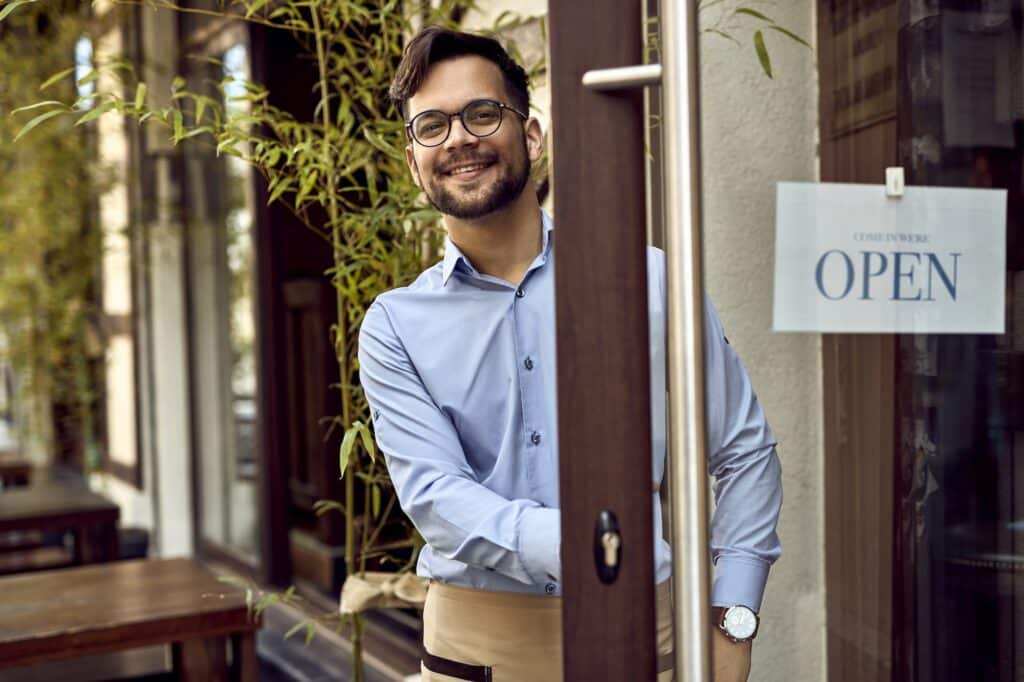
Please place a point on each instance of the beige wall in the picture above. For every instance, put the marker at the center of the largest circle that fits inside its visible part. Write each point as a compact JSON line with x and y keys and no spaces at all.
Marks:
{"x":758,"y":131}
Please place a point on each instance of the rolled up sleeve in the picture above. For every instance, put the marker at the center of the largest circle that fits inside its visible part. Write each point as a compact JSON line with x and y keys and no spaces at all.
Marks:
{"x":747,"y":473}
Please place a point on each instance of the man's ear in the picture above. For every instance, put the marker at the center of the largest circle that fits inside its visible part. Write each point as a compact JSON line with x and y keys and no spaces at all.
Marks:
{"x":410,"y":159}
{"x":534,"y":139}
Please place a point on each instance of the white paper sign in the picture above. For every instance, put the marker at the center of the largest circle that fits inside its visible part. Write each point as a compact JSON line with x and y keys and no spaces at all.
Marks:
{"x":850,"y":259}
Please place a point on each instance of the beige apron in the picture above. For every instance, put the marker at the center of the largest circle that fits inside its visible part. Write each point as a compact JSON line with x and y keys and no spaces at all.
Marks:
{"x":509,"y":637}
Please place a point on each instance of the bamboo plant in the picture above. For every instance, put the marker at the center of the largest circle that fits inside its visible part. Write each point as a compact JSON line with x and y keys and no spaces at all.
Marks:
{"x":342,"y":174}
{"x":50,"y":246}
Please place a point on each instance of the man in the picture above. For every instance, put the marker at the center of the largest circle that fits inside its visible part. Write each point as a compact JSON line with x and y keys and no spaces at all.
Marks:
{"x":459,"y":372}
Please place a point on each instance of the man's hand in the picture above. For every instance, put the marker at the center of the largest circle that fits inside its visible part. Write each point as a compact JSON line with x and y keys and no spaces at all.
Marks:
{"x":731,"y":660}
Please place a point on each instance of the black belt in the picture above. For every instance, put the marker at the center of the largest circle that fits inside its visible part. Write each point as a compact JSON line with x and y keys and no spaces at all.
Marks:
{"x":482,"y":673}
{"x":460,"y":671}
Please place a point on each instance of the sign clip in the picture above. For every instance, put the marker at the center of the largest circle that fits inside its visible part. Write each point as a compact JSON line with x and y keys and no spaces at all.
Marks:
{"x":894,"y":182}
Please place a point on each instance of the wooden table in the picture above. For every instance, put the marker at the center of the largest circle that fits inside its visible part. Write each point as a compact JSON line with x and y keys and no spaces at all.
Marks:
{"x":64,"y":505}
{"x":128,"y":604}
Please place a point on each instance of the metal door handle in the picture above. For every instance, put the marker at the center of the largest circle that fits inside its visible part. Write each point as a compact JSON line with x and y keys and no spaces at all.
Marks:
{"x":623,"y":77}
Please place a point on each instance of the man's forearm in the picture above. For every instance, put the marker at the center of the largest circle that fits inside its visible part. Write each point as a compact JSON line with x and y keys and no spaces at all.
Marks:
{"x":731,"y":659}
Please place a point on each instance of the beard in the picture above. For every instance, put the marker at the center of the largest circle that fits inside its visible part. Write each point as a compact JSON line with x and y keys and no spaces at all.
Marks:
{"x":476,"y":202}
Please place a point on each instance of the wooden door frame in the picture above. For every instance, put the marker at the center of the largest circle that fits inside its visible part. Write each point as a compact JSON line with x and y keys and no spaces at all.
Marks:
{"x":863,"y":632}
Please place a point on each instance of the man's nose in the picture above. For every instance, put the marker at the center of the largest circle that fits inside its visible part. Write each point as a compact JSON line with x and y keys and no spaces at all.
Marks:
{"x":458,"y":136}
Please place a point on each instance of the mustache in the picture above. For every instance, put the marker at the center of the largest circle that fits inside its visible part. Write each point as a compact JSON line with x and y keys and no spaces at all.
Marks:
{"x":463,"y":159}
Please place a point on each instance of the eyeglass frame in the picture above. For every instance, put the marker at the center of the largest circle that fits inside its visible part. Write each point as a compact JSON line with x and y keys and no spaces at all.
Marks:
{"x":461,"y":114}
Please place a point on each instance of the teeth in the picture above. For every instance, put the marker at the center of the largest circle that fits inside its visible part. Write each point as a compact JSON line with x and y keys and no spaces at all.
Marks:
{"x":467,"y":169}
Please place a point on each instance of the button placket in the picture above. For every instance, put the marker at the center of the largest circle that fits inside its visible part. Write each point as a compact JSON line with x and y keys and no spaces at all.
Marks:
{"x":530,"y":384}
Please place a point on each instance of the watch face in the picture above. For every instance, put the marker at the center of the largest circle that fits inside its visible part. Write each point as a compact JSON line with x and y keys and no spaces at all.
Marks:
{"x":740,"y":622}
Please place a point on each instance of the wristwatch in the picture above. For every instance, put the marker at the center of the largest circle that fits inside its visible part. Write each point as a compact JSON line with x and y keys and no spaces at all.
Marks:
{"x":739,"y":623}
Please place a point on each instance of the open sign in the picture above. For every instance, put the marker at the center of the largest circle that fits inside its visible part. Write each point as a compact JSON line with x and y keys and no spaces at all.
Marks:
{"x":850,"y":259}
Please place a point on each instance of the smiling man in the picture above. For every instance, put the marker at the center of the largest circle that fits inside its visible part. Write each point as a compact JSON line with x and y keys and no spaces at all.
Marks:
{"x":459,"y":370}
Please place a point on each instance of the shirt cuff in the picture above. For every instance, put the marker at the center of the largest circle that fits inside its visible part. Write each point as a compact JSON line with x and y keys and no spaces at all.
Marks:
{"x":540,"y":537}
{"x":739,"y":581}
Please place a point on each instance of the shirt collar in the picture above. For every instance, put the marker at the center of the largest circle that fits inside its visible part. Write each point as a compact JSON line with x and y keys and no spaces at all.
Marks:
{"x":453,"y":255}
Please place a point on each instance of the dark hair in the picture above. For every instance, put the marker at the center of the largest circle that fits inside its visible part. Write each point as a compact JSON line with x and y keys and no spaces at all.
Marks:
{"x":434,"y":44}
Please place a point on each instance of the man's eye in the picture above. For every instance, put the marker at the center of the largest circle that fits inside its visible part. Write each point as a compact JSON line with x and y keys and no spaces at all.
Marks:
{"x":482,"y":116}
{"x":429,"y":128}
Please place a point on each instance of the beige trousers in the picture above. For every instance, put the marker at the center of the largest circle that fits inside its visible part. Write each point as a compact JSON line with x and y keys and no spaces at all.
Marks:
{"x":517,"y":636}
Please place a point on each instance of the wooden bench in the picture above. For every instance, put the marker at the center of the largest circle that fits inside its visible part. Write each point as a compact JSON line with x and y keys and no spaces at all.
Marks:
{"x":26,"y":513}
{"x":125,"y":605}
{"x":15,"y":470}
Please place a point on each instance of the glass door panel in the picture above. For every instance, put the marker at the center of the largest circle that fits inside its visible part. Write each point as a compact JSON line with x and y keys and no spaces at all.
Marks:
{"x":959,"y":609}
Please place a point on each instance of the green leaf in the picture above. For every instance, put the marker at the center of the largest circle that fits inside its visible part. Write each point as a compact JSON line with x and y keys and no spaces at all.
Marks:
{"x":199,"y":131}
{"x":282,"y":186}
{"x":762,"y":53}
{"x":40,"y":104}
{"x":721,"y":33}
{"x":367,"y":438}
{"x":178,"y":83}
{"x":295,"y":628}
{"x":310,"y":632}
{"x":255,"y":7}
{"x":178,"y":125}
{"x":791,"y":35}
{"x":307,"y":186}
{"x":96,"y":113}
{"x":200,"y":109}
{"x":753,"y":13}
{"x":346,"y":450}
{"x":13,"y":5}
{"x":60,"y":75}
{"x":36,"y":121}
{"x":321,"y":507}
{"x":225,"y":144}
{"x":88,"y":78}
{"x":140,"y":95}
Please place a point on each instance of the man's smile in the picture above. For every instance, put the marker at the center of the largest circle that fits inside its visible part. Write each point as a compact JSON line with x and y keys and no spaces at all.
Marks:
{"x":468,"y":168}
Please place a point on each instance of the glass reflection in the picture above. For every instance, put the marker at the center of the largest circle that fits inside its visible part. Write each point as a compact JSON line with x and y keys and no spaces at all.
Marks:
{"x":960,"y":491}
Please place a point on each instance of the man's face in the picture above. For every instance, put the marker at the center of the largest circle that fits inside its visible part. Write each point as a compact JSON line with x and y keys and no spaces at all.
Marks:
{"x":470,"y":177}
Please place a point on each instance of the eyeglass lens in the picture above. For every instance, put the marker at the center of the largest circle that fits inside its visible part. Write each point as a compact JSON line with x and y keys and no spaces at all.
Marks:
{"x":481,"y":118}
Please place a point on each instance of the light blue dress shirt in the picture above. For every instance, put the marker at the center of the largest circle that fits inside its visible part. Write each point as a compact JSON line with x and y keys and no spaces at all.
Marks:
{"x":459,"y":370}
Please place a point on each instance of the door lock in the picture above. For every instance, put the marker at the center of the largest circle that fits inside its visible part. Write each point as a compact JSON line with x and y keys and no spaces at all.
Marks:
{"x":607,"y":547}
{"x":611,"y":542}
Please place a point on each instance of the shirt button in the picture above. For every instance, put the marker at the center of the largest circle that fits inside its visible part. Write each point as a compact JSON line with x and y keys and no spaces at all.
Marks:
{"x":535,"y":438}
{"x":528,"y":363}
{"x":520,"y":292}
{"x":550,"y":588}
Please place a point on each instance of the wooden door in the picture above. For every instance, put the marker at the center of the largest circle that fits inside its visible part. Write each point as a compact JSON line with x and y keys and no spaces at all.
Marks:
{"x":601,"y":306}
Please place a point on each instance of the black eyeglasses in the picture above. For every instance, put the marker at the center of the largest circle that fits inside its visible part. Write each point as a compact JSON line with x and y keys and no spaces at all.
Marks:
{"x":481,"y":117}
